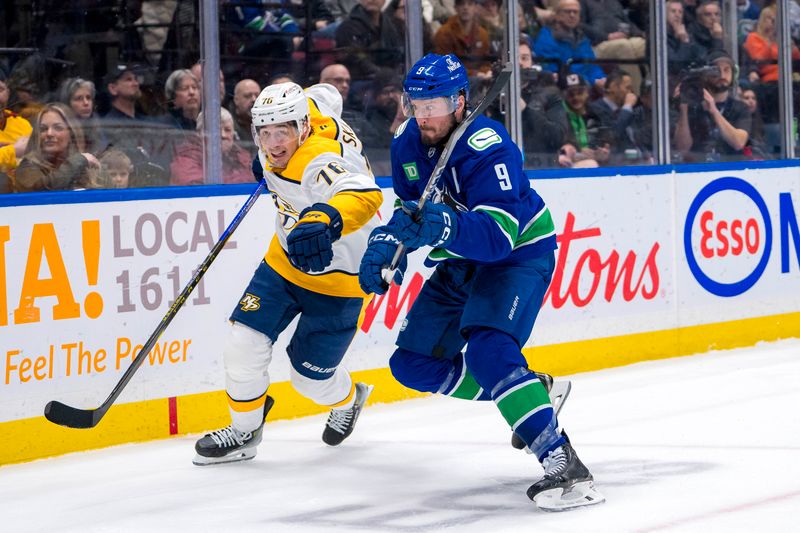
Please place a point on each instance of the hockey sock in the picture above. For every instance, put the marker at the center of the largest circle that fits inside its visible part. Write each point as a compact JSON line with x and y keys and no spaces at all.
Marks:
{"x":524,"y":403}
{"x":460,"y":383}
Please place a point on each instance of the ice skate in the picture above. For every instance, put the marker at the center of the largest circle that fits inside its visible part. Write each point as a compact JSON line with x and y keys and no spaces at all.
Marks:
{"x":566,"y":484}
{"x":341,"y":422}
{"x":558,"y":392}
{"x":228,"y":445}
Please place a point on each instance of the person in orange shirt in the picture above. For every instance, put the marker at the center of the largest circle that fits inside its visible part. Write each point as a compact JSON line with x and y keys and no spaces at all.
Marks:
{"x":762,"y":47}
{"x":463,"y":36}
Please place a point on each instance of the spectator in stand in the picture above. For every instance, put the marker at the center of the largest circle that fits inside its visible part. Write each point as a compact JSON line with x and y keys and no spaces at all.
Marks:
{"x":575,"y":90}
{"x":464,"y":36}
{"x":123,"y":86}
{"x":682,"y":51}
{"x":613,"y":34}
{"x":544,"y":119}
{"x":643,"y":122}
{"x":440,"y":11}
{"x":761,"y":47}
{"x":79,"y":95}
{"x":707,"y":29}
{"x":131,"y":131}
{"x":14,"y":134}
{"x":614,"y":111}
{"x":56,"y":157}
{"x":397,"y":12}
{"x":492,"y":19}
{"x":760,"y":61}
{"x":756,"y":142}
{"x":187,"y":166}
{"x":184,"y":99}
{"x":338,"y":76}
{"x":115,"y":170}
{"x":368,"y":40}
{"x":244,"y":95}
{"x":274,"y":32}
{"x":385,"y":112}
{"x":565,"y":42}
{"x":716,"y":126}
{"x":197,"y":70}
{"x":748,"y":9}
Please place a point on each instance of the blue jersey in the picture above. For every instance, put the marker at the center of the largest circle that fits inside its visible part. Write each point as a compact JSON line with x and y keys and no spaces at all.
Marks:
{"x":501,"y":219}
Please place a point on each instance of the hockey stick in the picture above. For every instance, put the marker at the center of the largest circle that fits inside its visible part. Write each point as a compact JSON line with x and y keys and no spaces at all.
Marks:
{"x":64,"y":415}
{"x":491,"y":94}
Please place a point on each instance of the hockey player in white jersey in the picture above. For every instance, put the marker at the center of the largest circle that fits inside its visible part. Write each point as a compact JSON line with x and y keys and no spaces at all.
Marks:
{"x":327,"y":202}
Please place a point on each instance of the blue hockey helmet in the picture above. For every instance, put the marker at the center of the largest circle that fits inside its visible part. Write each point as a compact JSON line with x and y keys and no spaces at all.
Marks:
{"x":435,"y":76}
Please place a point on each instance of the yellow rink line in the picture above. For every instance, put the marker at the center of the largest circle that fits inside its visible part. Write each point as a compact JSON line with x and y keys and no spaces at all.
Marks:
{"x":34,"y":438}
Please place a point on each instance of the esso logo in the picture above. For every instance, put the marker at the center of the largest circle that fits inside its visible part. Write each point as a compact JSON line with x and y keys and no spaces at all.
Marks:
{"x":727,"y":236}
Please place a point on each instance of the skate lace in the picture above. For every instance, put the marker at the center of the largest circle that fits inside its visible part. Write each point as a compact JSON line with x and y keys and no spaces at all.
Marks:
{"x":339,"y":419}
{"x":229,"y":436}
{"x":555,"y":463}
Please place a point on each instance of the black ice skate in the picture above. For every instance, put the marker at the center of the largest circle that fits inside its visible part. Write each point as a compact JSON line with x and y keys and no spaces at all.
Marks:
{"x":228,"y":445}
{"x":341,"y":422}
{"x":558,"y":391}
{"x":566,"y":484}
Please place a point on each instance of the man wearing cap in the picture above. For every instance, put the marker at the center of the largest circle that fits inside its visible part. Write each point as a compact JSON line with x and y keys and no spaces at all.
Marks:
{"x":122,"y":85}
{"x":719,"y":126}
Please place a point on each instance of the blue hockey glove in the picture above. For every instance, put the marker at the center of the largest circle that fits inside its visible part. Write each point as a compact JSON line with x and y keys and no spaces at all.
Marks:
{"x":310,"y":243}
{"x":258,"y":170}
{"x":381,"y":247}
{"x":434,"y":226}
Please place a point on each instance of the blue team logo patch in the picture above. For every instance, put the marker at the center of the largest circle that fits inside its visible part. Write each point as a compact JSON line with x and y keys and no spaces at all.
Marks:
{"x":483,"y":139}
{"x":412,"y":174}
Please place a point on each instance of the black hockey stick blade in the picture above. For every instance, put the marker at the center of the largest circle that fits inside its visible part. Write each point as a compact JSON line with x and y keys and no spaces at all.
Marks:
{"x":71,"y":417}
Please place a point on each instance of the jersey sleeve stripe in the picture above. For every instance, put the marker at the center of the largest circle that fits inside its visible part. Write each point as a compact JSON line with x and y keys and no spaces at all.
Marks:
{"x":507,"y":223}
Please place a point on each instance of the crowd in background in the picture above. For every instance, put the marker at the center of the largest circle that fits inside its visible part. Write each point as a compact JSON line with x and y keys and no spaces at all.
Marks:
{"x":109,"y":95}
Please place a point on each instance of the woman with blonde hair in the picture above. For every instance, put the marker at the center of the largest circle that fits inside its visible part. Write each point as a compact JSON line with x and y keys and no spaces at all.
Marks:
{"x":56,"y":157}
{"x":762,"y":48}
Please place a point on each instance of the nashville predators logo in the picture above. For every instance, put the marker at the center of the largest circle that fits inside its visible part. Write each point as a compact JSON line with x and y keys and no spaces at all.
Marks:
{"x":250,"y":302}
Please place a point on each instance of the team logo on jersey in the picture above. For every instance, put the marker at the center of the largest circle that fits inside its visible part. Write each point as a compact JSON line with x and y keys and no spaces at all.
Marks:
{"x":412,"y":174}
{"x":483,"y":139}
{"x":250,"y":302}
{"x":401,"y":128}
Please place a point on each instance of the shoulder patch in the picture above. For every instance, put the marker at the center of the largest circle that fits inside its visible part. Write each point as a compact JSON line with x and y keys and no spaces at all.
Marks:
{"x":401,"y":128}
{"x":483,"y":139}
{"x":410,"y":169}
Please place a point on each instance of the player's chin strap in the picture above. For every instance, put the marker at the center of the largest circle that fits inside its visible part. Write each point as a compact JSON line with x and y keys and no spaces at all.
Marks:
{"x":493,"y":92}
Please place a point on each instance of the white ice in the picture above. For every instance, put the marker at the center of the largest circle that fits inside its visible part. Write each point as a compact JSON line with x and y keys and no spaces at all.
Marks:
{"x":706,"y":443}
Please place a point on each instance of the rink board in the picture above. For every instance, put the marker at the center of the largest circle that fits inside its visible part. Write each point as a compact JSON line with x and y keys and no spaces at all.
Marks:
{"x":652,"y":264}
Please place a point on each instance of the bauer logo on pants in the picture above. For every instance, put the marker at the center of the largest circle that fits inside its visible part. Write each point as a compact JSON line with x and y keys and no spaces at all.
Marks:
{"x":250,"y":302}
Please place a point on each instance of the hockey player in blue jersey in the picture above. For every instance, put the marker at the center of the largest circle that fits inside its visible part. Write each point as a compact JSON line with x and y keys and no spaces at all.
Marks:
{"x":493,"y":245}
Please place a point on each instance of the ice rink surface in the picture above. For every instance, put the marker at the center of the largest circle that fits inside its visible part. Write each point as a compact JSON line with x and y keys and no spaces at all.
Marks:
{"x":706,"y":443}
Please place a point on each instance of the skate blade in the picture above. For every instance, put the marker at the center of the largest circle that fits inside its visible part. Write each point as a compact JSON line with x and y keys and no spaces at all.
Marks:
{"x":579,"y":495}
{"x":559,"y":394}
{"x":363,"y":401}
{"x":239,"y":455}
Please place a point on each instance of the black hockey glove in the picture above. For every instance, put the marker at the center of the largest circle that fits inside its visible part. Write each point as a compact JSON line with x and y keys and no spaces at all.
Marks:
{"x":310,"y":243}
{"x":381,"y":247}
{"x":435,"y":225}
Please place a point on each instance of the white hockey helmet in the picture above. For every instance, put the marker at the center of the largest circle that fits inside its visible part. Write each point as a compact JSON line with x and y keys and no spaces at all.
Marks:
{"x":279,"y":103}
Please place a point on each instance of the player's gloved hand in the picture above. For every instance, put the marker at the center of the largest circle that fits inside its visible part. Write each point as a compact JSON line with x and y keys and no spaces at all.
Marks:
{"x":310,"y":243}
{"x":381,"y":247}
{"x":435,"y":225}
{"x":258,"y":170}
